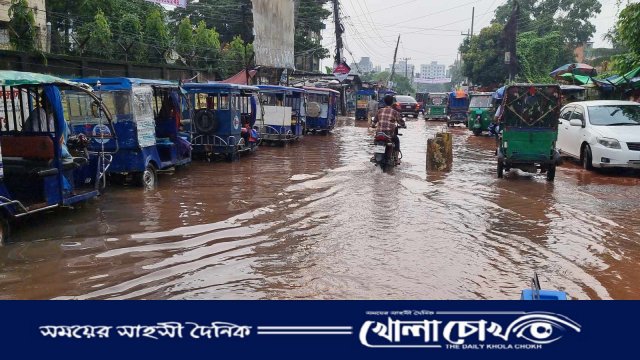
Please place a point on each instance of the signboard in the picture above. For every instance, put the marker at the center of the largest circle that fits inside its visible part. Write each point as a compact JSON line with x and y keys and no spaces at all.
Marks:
{"x":143,"y":111}
{"x":341,"y":71}
{"x":433,"y":81}
{"x":177,"y":3}
{"x":273,"y":26}
{"x":507,"y":57}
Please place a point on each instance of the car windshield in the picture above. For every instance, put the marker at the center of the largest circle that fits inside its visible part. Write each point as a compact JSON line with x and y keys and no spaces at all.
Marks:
{"x":614,"y":115}
{"x":405,"y":99}
{"x":480,"y":102}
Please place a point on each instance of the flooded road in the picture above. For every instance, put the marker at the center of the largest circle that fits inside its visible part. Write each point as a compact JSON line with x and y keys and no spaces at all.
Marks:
{"x":316,"y":220}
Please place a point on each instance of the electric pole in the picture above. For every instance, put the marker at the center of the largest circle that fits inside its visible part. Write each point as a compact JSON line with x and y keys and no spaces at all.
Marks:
{"x":339,"y":30}
{"x":406,"y":66}
{"x":393,"y":67}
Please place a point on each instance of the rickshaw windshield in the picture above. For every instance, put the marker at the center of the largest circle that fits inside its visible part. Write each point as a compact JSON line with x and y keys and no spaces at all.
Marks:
{"x":480,"y":102}
{"x":318,"y":98}
{"x":80,"y":108}
{"x":118,"y":102}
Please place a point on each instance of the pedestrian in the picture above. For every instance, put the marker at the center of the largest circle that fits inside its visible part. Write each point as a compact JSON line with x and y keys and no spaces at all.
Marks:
{"x":372,"y":108}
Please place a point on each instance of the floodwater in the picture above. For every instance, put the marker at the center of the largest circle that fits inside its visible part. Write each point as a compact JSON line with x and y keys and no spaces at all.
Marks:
{"x":316,"y":220}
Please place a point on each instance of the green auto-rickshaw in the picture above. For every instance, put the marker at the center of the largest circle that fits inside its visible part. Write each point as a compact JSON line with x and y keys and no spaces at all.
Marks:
{"x":481,"y":112}
{"x":529,"y":129}
{"x":435,"y":106}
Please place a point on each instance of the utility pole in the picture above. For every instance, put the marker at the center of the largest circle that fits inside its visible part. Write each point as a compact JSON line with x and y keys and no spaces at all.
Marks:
{"x":339,"y":30}
{"x":246,"y":41}
{"x":393,"y":67}
{"x":406,"y":66}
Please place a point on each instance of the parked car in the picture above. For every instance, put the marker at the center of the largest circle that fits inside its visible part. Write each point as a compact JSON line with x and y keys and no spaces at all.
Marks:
{"x":603,"y":133}
{"x":406,"y":105}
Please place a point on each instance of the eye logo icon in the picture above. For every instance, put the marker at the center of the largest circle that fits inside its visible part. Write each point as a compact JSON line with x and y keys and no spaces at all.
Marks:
{"x":542,"y":328}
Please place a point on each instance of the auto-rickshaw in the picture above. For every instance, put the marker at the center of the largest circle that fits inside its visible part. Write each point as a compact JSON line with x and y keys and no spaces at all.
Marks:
{"x":45,"y":164}
{"x":457,"y":108}
{"x":381,"y":94}
{"x":147,"y":119}
{"x":529,"y":129}
{"x":223,"y":120}
{"x":435,"y":106}
{"x":481,"y":112}
{"x":322,"y":108}
{"x":283,"y":117}
{"x":363,"y":96}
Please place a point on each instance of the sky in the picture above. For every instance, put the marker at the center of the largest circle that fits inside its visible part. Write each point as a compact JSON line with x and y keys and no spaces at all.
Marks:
{"x":430,"y":29}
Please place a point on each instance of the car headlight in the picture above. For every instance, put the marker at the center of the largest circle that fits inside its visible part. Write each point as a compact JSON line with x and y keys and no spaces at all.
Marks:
{"x":610,"y":143}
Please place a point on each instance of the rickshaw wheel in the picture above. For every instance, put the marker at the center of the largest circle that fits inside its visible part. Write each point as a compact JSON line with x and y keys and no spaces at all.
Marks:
{"x":148,"y":178}
{"x":586,"y":158}
{"x":5,"y":230}
{"x":500,"y":169}
{"x":551,"y":173}
{"x":477,"y":132}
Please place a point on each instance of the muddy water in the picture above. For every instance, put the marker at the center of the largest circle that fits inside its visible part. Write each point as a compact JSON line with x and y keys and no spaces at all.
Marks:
{"x":316,"y":220}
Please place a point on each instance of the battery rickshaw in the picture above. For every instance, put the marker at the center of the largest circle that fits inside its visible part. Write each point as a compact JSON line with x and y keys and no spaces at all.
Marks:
{"x":481,"y":112}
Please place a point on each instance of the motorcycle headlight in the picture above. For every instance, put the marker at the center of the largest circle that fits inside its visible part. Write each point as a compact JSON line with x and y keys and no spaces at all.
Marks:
{"x":610,"y":143}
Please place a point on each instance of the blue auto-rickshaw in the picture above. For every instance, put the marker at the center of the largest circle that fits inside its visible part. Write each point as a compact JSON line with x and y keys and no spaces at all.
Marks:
{"x":322,"y":108}
{"x":381,"y":94}
{"x":44,"y":164}
{"x":283,"y":117}
{"x":363,"y":96}
{"x":223,"y":120}
{"x":457,"y":108}
{"x":147,"y":119}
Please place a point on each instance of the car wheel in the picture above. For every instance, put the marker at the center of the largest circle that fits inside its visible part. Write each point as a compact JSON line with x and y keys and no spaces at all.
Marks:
{"x":587,"y":160}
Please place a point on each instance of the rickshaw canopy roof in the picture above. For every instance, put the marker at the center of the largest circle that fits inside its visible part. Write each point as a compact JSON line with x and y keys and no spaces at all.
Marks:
{"x":275,"y":88}
{"x":124,"y":83}
{"x":324,"y":91}
{"x":218,"y":87}
{"x":366,"y":92}
{"x":15,"y":78}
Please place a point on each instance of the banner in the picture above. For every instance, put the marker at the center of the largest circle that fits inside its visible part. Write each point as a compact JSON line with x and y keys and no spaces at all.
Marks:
{"x":177,"y":3}
{"x":321,"y":329}
{"x":273,"y":24}
{"x":433,"y":81}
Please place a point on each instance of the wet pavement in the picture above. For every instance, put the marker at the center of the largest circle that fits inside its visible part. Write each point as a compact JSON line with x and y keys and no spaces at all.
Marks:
{"x":317,"y":220}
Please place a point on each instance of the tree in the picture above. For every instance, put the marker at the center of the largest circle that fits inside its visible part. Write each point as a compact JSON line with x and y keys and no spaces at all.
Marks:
{"x":233,"y":56}
{"x":23,"y":32}
{"x":310,"y":18}
{"x":98,"y":38}
{"x":129,"y":39}
{"x":226,"y":16}
{"x":156,"y":36}
{"x":483,"y":57}
{"x":539,"y":55}
{"x":184,"y":39}
{"x":627,"y":34}
{"x":207,"y":46}
{"x":402,"y":84}
{"x":571,"y":18}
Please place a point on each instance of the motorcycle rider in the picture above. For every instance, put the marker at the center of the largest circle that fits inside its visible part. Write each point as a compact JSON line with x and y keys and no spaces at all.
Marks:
{"x":387,"y":120}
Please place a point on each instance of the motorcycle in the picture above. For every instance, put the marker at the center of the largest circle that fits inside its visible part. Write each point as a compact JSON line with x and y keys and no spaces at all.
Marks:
{"x":385,"y":153}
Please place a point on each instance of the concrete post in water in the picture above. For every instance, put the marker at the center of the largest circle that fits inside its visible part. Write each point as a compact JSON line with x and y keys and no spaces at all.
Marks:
{"x":440,"y":152}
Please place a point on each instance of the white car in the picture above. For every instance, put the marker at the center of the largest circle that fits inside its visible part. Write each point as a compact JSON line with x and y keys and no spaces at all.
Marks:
{"x":604,"y":133}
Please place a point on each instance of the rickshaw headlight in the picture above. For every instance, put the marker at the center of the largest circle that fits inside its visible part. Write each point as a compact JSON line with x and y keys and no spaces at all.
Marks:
{"x":610,"y":143}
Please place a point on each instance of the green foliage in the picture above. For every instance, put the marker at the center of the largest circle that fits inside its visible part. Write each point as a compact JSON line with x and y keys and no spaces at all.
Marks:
{"x":98,"y":38}
{"x":22,"y":26}
{"x":627,"y":34}
{"x":483,"y":57}
{"x":224,"y":15}
{"x":310,"y":19}
{"x":233,"y":57}
{"x":539,"y":55}
{"x":156,"y":36}
{"x":402,"y":84}
{"x":571,"y":18}
{"x":128,"y":38}
{"x":207,"y":46}
{"x":184,"y":39}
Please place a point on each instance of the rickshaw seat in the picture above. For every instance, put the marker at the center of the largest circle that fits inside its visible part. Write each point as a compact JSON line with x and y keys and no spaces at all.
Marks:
{"x":39,"y":147}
